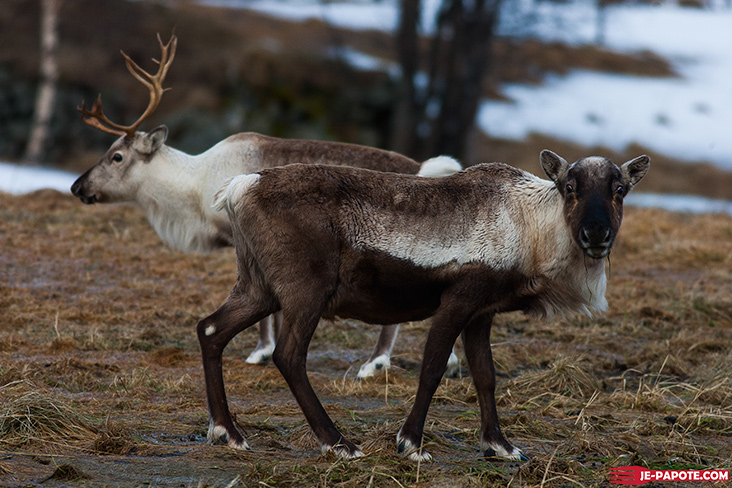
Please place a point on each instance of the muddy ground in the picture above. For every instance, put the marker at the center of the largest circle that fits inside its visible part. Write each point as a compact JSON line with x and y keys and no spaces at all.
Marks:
{"x":101,"y":383}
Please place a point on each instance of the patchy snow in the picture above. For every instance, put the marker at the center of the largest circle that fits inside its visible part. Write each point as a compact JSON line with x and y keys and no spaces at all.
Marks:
{"x":350,"y":14}
{"x":679,"y":203}
{"x":18,"y":179}
{"x":615,"y":111}
{"x":689,"y":117}
{"x":363,"y":61}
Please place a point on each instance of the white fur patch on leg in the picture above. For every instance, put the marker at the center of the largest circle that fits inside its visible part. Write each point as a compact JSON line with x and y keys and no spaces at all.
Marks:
{"x":411,"y":451}
{"x":210,"y":330}
{"x":376,"y":365}
{"x":261,"y":354}
{"x":453,"y":366}
{"x":219,"y":435}
{"x":501,"y":452}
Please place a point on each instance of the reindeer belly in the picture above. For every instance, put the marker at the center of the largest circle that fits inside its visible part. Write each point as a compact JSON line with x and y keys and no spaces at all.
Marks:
{"x":381,"y":289}
{"x":378,"y":288}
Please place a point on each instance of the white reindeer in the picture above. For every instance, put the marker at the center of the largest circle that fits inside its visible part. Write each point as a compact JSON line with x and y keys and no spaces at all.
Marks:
{"x":389,"y":248}
{"x":175,"y":189}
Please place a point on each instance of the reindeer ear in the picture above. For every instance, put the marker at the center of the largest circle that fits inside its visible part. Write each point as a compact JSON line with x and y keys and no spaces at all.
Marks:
{"x":152,"y":141}
{"x":635,"y":169}
{"x":554,"y":165}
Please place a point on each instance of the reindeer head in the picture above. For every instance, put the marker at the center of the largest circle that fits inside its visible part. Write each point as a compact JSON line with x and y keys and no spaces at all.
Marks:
{"x":593,"y":189}
{"x":114,"y":178}
{"x":117,"y":176}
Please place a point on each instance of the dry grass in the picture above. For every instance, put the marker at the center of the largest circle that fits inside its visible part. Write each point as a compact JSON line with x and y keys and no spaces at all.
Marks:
{"x":566,"y":376}
{"x":100,"y":365}
{"x":100,"y":378}
{"x":33,"y":418}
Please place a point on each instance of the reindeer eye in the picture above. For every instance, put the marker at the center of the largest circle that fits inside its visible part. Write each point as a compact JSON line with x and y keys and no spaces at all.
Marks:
{"x":620,"y":191}
{"x":569,"y":188}
{"x":117,"y":157}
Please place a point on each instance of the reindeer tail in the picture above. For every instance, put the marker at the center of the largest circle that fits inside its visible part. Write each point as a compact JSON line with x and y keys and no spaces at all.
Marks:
{"x":232,"y":192}
{"x":439,"y":166}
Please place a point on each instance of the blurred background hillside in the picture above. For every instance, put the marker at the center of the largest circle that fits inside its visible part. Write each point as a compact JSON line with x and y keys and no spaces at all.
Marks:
{"x":487,"y":80}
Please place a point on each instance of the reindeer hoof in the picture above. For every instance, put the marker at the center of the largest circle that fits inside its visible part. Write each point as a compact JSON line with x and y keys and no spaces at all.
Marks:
{"x":260,"y":356}
{"x":374,"y":366}
{"x":219,"y":435}
{"x":343,"y":450}
{"x":411,"y":451}
{"x":500,"y":452}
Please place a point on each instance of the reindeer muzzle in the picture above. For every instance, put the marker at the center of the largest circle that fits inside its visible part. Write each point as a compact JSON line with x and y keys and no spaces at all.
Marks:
{"x":596,"y":241}
{"x":78,"y":192}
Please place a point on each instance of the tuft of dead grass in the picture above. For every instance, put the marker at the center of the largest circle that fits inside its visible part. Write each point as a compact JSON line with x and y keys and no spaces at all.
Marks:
{"x":543,"y":471}
{"x":565,"y":376}
{"x":169,"y":356}
{"x":32,"y":417}
{"x":67,"y":472}
{"x":114,"y":438}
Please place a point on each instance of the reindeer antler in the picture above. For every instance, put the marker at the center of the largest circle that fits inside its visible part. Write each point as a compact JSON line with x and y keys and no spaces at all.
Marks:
{"x":96,"y":118}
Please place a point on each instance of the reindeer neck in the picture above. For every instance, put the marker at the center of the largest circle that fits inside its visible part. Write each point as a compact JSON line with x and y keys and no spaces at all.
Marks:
{"x":567,"y":280}
{"x":177,"y":203}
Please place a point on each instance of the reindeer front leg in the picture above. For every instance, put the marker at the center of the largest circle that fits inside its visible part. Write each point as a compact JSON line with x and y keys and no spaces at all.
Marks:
{"x":290,"y":357}
{"x":477,"y":343}
{"x":446,"y":326}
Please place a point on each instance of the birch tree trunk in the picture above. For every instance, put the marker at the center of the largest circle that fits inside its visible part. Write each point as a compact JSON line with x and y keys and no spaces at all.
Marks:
{"x":45,"y":99}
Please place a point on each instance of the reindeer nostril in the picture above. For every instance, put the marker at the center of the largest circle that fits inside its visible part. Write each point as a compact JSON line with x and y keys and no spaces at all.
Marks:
{"x":608,"y":236}
{"x":584,"y":236}
{"x":595,"y":236}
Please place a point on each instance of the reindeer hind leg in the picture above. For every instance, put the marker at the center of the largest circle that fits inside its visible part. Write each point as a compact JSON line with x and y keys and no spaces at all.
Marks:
{"x":266,"y":342}
{"x":241,"y":310}
{"x":380,"y":358}
{"x":302,"y":312}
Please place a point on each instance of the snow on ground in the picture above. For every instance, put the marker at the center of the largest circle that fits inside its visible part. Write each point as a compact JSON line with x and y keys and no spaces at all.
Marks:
{"x":679,"y":203}
{"x":689,"y":117}
{"x":19,"y":179}
{"x":350,"y":15}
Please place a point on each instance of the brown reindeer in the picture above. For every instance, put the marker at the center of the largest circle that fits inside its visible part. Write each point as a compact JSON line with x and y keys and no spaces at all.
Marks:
{"x":385,"y":248}
{"x":175,"y":189}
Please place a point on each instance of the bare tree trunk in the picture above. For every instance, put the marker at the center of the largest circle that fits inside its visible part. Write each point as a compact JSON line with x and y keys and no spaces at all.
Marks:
{"x":405,"y":117}
{"x":601,"y":21}
{"x":468,"y":28}
{"x":437,"y":117}
{"x":46,"y":96}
